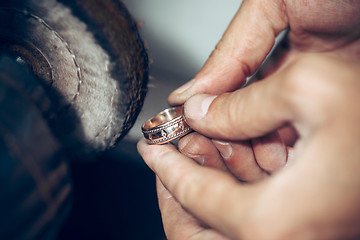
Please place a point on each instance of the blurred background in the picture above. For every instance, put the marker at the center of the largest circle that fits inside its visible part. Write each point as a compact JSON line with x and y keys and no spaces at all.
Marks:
{"x":115,"y":195}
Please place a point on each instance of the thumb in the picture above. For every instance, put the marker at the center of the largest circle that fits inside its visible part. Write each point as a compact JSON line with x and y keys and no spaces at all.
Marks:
{"x":245,"y":44}
{"x":247,"y":113}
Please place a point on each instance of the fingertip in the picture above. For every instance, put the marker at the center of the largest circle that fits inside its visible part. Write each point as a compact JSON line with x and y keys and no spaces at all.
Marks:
{"x":141,"y":146}
{"x":239,"y":159}
{"x":183,"y":142}
{"x":270,"y":152}
{"x":176,"y":99}
{"x":209,"y":115}
{"x":197,"y":106}
{"x":225,"y":149}
{"x":151,"y":153}
{"x":190,"y":147}
{"x":181,"y":94}
{"x":201,"y":149}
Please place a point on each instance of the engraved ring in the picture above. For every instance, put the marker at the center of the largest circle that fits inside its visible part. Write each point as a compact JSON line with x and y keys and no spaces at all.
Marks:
{"x":166,"y":126}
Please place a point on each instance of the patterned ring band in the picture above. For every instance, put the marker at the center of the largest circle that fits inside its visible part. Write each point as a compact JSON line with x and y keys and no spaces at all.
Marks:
{"x":166,"y":126}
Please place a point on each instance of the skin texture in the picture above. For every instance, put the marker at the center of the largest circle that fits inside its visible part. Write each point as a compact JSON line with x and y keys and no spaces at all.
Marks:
{"x":227,"y":180}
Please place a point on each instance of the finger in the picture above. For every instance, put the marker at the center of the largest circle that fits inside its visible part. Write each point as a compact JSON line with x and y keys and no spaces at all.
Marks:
{"x":201,"y":190}
{"x":244,"y":114}
{"x":240,"y":160}
{"x":289,"y":135}
{"x":179,"y":224}
{"x":202,"y":150}
{"x":281,"y":99}
{"x":270,"y":152}
{"x":241,"y":115}
{"x":244,"y":45}
{"x":236,"y":157}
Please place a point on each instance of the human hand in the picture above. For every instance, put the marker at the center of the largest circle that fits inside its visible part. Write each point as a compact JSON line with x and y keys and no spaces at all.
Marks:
{"x":253,"y":148}
{"x":327,"y":27}
{"x":315,"y":26}
{"x":315,"y":197}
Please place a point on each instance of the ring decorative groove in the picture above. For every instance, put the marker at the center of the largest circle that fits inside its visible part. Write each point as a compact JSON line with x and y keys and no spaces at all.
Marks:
{"x":166,"y":126}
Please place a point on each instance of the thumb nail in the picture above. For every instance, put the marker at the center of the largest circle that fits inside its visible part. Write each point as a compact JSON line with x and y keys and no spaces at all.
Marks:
{"x":224,"y":148}
{"x":185,"y":87}
{"x":180,"y":95}
{"x":197,"y":107}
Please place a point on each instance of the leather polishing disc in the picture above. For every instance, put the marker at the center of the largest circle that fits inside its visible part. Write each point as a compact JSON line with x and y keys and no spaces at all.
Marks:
{"x":89,"y":58}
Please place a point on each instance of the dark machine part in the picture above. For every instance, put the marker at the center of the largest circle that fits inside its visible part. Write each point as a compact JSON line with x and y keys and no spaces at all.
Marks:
{"x":73,"y":77}
{"x":91,"y":61}
{"x":35,"y":185}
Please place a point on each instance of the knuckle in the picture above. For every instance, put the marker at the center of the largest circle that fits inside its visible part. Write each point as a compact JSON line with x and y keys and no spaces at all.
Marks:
{"x":308,"y":86}
{"x":225,"y":50}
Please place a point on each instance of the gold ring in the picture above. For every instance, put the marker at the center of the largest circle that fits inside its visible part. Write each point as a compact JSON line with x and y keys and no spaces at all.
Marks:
{"x":166,"y":126}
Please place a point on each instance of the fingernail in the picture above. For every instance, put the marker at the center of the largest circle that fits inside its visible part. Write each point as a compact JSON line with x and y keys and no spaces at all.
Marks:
{"x":198,"y":106}
{"x":200,"y":159}
{"x":183,"y":148}
{"x":224,"y":148}
{"x":288,"y":155}
{"x":184,"y":142}
{"x":185,"y":87}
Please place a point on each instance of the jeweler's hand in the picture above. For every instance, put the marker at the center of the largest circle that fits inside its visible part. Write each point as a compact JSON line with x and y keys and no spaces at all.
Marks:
{"x":327,"y":27}
{"x":307,"y":96}
{"x":315,"y":197}
{"x":330,"y":26}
